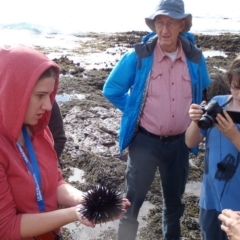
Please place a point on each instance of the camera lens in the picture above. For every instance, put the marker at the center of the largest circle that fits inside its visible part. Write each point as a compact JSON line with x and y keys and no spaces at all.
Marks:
{"x":205,"y":122}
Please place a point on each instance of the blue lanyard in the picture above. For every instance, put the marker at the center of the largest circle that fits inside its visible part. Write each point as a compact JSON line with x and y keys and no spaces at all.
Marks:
{"x":32,"y":166}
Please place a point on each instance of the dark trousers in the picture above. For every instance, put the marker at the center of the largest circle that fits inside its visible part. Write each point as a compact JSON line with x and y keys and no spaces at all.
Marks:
{"x":210,"y":225}
{"x":146,"y":154}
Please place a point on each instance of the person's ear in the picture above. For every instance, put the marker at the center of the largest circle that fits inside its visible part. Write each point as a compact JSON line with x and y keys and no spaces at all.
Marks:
{"x":182,"y":24}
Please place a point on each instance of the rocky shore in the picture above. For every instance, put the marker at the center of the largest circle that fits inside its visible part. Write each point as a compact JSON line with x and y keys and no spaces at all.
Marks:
{"x":91,"y":123}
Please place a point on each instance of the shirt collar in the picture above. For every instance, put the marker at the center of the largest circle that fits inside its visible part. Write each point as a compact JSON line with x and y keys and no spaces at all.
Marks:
{"x":159,"y":53}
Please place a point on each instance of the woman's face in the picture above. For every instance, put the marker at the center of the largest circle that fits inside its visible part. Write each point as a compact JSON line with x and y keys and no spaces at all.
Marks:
{"x":39,"y":100}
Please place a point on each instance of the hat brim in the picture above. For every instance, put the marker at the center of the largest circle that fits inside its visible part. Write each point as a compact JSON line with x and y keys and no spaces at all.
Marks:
{"x":150,"y":20}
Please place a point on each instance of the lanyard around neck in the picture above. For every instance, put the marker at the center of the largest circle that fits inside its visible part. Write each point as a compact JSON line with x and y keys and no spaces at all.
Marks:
{"x":32,"y":166}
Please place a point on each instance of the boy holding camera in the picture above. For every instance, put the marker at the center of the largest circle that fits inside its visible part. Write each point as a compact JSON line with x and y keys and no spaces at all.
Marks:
{"x":221,"y":177}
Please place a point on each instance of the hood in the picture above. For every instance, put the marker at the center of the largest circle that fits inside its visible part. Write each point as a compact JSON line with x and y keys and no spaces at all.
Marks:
{"x":20,"y":69}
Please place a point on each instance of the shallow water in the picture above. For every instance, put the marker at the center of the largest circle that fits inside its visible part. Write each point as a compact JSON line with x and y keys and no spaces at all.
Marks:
{"x":214,"y":53}
{"x":67,"y":97}
{"x":77,"y":175}
{"x":193,"y":188}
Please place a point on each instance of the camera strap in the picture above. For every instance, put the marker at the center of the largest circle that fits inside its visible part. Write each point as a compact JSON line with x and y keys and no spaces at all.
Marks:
{"x":32,"y":167}
{"x":226,"y":103}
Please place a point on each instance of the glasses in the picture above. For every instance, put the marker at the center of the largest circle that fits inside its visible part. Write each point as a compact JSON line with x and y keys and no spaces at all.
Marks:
{"x":170,"y":25}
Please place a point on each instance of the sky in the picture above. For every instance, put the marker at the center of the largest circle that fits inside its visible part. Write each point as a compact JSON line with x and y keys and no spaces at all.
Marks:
{"x":89,"y":9}
{"x":96,"y":14}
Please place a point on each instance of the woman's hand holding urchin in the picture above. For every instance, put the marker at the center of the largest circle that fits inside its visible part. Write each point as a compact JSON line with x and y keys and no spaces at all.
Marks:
{"x":102,"y":204}
{"x":82,"y":219}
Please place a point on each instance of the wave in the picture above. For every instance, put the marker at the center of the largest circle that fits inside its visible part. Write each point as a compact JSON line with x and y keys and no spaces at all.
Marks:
{"x":34,"y":28}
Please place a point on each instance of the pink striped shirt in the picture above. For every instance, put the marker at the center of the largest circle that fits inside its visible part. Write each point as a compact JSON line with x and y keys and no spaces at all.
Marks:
{"x":169,"y":95}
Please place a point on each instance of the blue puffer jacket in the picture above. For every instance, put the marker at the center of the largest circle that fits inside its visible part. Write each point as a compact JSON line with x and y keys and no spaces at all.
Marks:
{"x":127,"y":84}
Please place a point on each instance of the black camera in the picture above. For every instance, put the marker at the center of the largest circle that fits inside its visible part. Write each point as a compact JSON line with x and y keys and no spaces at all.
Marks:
{"x":210,"y":112}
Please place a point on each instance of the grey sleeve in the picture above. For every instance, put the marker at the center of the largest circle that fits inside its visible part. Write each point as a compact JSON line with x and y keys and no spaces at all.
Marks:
{"x":57,"y":129}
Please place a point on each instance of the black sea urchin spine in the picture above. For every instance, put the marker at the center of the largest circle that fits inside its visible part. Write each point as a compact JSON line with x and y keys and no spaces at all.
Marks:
{"x":101,"y":204}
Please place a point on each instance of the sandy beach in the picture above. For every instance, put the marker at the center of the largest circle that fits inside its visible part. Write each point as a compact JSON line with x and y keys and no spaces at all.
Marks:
{"x":91,"y":123}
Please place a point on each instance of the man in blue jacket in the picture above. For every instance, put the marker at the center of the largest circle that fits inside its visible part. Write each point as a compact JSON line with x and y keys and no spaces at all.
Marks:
{"x":153,"y":85}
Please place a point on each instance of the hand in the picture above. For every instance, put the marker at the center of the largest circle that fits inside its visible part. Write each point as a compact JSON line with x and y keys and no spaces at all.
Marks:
{"x":195,"y":112}
{"x":81,"y":219}
{"x":125,"y":205}
{"x":226,"y":125}
{"x":230,"y":223}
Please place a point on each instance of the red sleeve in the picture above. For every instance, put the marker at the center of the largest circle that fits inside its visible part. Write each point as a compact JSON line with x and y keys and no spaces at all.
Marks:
{"x":9,"y":220}
{"x":60,"y":178}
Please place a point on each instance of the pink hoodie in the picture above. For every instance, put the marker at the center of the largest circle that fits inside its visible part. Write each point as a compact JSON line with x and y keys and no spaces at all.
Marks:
{"x":20,"y":68}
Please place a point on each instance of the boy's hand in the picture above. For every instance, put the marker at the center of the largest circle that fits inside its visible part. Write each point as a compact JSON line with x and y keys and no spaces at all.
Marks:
{"x":226,"y":125}
{"x":195,"y":112}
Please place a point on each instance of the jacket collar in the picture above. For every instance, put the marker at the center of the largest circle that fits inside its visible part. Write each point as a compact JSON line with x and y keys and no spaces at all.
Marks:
{"x":146,"y":47}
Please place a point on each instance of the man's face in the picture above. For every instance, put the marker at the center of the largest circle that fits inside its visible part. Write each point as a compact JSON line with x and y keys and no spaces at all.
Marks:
{"x":39,"y":100}
{"x":168,"y":30}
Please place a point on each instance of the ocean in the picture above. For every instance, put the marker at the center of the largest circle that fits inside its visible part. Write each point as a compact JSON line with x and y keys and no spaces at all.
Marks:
{"x":56,"y":22}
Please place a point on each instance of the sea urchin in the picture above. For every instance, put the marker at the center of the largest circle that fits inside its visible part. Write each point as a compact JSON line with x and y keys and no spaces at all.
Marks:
{"x":101,"y":204}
